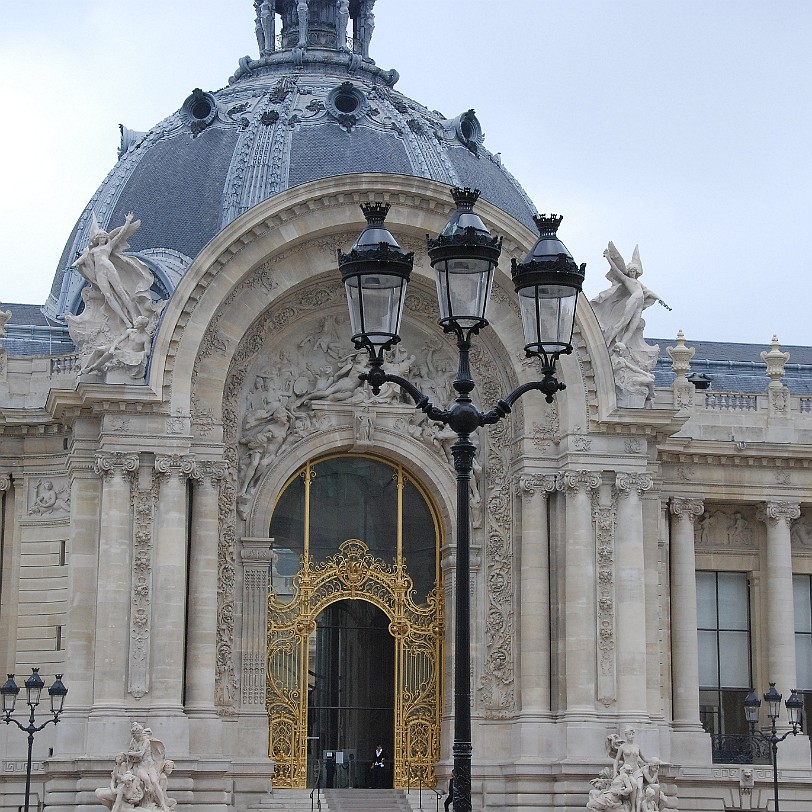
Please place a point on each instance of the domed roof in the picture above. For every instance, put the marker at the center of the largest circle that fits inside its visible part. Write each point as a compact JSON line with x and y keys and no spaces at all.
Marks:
{"x":312,"y":106}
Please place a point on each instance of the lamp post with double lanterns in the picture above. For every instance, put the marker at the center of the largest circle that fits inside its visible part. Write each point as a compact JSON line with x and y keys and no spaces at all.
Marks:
{"x":752,"y":705}
{"x":33,"y":690}
{"x":464,"y":257}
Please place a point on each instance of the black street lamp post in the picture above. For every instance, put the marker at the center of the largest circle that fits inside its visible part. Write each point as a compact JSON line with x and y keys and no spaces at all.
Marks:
{"x":794,"y":704}
{"x":464,"y":256}
{"x":33,"y":688}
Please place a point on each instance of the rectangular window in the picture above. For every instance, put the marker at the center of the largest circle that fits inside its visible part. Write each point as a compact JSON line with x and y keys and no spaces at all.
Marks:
{"x":725,"y":674}
{"x":802,"y":598}
{"x":58,"y":646}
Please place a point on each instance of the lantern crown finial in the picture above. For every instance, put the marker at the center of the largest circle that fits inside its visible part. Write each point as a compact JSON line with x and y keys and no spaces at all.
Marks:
{"x":465,"y":197}
{"x":375,"y":212}
{"x":548,"y":224}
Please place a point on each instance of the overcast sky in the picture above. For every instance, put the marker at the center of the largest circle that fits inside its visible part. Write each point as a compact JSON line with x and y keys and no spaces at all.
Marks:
{"x":684,"y":126}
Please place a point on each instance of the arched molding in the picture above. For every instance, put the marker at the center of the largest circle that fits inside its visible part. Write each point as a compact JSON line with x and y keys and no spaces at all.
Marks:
{"x":244,"y":269}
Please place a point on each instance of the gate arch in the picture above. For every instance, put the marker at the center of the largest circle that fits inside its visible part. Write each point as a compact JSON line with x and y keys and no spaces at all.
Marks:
{"x":353,"y":572}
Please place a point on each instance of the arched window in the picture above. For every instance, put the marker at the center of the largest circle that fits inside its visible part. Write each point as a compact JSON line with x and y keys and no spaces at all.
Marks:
{"x":351,"y":496}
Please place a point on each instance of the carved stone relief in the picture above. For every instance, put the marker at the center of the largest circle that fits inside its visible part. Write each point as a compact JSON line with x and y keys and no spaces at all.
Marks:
{"x":49,"y":497}
{"x":801,"y":532}
{"x":144,"y":501}
{"x":604,"y":518}
{"x":725,"y":528}
{"x":277,"y":398}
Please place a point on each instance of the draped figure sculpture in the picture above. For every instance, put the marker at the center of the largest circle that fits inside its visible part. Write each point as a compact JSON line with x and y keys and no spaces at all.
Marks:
{"x":114,"y":331}
{"x":632,"y":783}
{"x":619,"y":311}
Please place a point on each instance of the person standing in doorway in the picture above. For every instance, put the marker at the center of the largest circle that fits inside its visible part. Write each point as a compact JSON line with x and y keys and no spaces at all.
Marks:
{"x":449,"y":799}
{"x":378,"y":768}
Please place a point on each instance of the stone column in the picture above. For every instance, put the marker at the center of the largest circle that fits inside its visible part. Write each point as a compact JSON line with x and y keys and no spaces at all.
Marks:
{"x":578,"y":603}
{"x":169,"y":583}
{"x":780,"y":611}
{"x":630,"y":579}
{"x":684,"y":646}
{"x":201,"y":633}
{"x":113,"y":584}
{"x":534,"y":619}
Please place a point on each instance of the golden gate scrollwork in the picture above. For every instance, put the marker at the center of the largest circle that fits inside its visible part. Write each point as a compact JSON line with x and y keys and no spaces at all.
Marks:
{"x":353,"y":573}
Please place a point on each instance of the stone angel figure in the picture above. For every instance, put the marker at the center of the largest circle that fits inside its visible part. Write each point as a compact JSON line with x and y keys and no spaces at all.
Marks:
{"x":619,"y":311}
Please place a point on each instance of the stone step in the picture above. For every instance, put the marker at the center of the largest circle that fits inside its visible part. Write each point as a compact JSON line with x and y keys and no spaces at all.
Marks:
{"x":289,"y":800}
{"x":351,"y":800}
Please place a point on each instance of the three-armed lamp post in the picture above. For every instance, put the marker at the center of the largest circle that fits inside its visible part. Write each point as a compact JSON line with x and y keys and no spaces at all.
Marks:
{"x":464,"y":256}
{"x":33,"y":689}
{"x":794,"y":704}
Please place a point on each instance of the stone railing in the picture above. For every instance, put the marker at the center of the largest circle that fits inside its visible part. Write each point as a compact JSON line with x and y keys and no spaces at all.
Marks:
{"x":732,"y":401}
{"x":739,"y":748}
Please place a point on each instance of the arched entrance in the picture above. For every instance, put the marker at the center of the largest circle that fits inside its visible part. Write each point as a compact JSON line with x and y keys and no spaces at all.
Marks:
{"x":351,"y":699}
{"x":349,"y":530}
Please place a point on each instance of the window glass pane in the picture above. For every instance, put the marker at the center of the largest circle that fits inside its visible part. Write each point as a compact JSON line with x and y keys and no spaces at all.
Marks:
{"x":708,"y":666}
{"x":734,"y":659}
{"x":709,"y":712}
{"x":803,"y":661}
{"x":803,"y":610}
{"x":287,"y":537}
{"x":419,"y":541}
{"x":733,"y":718}
{"x":733,"y":610}
{"x":706,"y":600}
{"x":353,"y":498}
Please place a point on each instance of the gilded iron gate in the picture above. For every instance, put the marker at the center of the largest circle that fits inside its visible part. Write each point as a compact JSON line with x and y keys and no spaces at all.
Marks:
{"x":353,"y":573}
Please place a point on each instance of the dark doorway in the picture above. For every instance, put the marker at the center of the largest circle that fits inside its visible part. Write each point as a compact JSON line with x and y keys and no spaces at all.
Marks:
{"x":351,"y":694}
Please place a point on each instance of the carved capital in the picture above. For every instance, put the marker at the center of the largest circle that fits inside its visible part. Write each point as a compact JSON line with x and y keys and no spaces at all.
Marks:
{"x":689,"y":509}
{"x":628,"y":484}
{"x":180,"y":465}
{"x":119,"y":462}
{"x":577,"y":481}
{"x":774,"y":513}
{"x":210,"y":472}
{"x":528,"y":486}
{"x":5,"y":482}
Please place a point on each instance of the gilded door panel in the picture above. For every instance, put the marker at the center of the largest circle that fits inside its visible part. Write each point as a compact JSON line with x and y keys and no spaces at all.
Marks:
{"x":353,"y":573}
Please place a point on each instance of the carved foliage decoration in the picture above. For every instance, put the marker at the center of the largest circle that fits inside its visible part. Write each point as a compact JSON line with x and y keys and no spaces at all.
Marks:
{"x":144,"y":503}
{"x":604,"y":518}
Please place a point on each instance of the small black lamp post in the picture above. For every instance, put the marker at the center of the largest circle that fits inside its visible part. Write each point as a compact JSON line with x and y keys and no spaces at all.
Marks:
{"x":464,"y":256}
{"x":794,"y":704}
{"x":33,"y":688}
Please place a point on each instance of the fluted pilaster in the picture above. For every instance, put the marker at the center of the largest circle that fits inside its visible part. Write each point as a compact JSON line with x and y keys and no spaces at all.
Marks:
{"x":169,"y":602}
{"x":535,"y":595}
{"x":630,"y":579}
{"x":578,"y":603}
{"x":113,"y":587}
